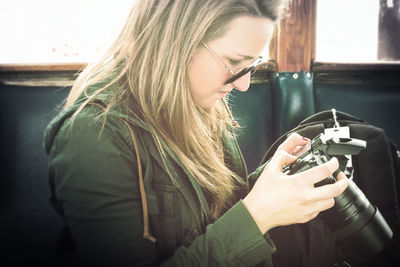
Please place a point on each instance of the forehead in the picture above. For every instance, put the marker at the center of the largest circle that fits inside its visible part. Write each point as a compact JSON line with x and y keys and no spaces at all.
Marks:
{"x":245,"y":35}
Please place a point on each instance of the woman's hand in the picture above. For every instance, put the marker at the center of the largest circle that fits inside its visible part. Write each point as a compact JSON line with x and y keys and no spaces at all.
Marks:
{"x":278,"y":199}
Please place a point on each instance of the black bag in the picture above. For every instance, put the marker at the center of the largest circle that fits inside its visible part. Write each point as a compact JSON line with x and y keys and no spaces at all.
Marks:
{"x":376,"y":173}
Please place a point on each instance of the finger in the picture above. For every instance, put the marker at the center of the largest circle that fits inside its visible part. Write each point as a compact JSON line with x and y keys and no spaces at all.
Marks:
{"x":313,"y":215}
{"x":294,"y":140}
{"x":330,"y":190}
{"x":319,"y":173}
{"x":316,"y":207}
{"x":341,"y":176}
{"x":308,"y":217}
{"x":300,"y":150}
{"x":280,"y":159}
{"x":322,"y":205}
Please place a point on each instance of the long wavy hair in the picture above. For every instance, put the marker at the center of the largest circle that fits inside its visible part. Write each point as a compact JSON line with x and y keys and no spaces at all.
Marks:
{"x":148,"y":63}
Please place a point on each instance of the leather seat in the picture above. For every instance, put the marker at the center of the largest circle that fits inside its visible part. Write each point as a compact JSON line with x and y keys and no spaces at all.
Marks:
{"x":29,"y":225}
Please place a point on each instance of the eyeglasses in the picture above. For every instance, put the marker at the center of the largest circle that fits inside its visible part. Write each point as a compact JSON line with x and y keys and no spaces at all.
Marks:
{"x":236,"y":75}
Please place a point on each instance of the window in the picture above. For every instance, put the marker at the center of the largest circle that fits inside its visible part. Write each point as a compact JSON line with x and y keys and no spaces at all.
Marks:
{"x":48,"y":31}
{"x":353,"y":31}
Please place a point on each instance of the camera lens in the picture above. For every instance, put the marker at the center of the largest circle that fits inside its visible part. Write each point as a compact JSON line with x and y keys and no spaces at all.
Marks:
{"x":358,"y":226}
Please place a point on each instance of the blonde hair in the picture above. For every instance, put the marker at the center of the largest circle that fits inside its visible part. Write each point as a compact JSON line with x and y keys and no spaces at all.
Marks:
{"x":148,"y":64}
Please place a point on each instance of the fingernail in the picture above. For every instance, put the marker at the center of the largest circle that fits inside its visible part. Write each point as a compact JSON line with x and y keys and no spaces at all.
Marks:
{"x":305,"y":139}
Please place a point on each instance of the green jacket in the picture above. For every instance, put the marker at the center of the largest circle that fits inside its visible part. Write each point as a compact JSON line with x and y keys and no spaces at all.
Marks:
{"x":96,"y":186}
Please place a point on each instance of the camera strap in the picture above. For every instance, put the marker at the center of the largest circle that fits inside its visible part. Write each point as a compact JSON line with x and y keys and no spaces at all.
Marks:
{"x":340,"y":132}
{"x":337,"y":130}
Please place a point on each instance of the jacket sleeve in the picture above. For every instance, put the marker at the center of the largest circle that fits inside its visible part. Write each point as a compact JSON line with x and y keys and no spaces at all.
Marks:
{"x":97,"y":184}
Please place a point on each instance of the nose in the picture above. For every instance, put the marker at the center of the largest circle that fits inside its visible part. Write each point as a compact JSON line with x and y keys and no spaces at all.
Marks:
{"x":243,"y":83}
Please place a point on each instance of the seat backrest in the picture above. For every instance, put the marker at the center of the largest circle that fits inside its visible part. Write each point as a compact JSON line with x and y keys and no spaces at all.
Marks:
{"x":375,"y":103}
{"x":268,"y":110}
{"x":293,"y":99}
{"x":253,"y":111}
{"x":30,"y":226}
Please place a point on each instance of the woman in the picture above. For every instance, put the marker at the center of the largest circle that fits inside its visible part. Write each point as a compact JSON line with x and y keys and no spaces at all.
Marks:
{"x":144,"y":165}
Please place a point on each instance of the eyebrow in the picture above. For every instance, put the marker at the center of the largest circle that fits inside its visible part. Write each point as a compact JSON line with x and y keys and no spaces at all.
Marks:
{"x":245,"y":56}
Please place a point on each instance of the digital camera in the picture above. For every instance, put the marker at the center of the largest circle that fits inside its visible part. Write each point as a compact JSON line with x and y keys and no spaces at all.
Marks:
{"x":357,"y":225}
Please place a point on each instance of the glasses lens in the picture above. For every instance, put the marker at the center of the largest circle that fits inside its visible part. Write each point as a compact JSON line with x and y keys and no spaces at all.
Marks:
{"x":239,"y":74}
{"x":252,"y":68}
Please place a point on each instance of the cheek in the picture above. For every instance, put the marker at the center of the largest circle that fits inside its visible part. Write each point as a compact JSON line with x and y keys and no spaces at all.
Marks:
{"x":204,"y":78}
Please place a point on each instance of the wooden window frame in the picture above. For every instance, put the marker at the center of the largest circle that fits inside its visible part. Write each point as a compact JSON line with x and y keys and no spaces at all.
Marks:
{"x":63,"y":74}
{"x":54,"y":74}
{"x":293,"y":44}
{"x":292,"y":49}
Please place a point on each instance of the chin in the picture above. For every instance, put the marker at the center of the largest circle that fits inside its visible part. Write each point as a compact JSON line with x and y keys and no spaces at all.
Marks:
{"x":209,"y":106}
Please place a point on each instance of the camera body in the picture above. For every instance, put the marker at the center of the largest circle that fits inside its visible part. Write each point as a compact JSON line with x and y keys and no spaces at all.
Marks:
{"x":357,"y":225}
{"x":321,"y":149}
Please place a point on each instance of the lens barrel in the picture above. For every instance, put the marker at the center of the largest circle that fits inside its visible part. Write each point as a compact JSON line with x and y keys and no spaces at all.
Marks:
{"x":357,"y":225}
